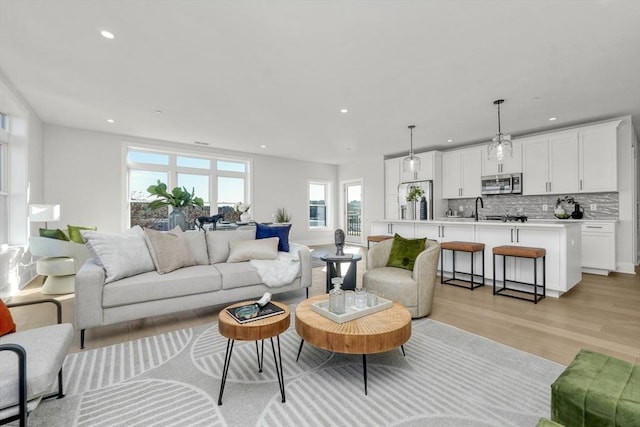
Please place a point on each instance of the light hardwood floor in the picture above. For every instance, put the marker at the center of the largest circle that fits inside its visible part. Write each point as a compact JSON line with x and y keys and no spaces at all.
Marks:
{"x":600,"y":313}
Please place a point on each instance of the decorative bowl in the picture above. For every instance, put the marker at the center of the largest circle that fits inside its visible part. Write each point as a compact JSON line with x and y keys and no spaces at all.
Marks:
{"x":248,"y":311}
{"x":563,"y":216}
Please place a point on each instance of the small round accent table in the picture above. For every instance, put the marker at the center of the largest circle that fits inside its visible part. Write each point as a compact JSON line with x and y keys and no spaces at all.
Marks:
{"x":373,"y":333}
{"x":334,"y":265}
{"x":257,"y":330}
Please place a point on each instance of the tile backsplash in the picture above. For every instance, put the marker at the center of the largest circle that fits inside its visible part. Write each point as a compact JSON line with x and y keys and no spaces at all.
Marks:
{"x":607,"y":205}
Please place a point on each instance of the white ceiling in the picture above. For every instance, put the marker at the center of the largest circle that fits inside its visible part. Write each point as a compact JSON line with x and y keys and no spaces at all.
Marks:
{"x":239,"y":74}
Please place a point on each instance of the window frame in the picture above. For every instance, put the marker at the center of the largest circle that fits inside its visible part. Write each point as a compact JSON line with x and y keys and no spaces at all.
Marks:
{"x":328,"y":185}
{"x":173,"y":170}
{"x":4,"y":180}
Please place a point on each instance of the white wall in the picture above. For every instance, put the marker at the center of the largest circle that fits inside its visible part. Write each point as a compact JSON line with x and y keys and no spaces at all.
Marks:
{"x":84,"y":173}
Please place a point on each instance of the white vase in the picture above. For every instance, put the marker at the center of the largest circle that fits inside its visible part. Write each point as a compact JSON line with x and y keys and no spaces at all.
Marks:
{"x":245,"y":217}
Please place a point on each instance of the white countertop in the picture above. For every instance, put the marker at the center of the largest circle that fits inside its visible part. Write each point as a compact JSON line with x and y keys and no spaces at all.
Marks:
{"x":530,"y":222}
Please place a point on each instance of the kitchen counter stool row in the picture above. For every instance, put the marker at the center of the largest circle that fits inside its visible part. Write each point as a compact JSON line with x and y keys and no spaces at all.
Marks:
{"x":535,"y":290}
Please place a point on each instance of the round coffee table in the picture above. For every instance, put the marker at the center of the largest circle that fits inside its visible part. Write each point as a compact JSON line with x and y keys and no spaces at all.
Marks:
{"x":373,"y":333}
{"x":256,"y":330}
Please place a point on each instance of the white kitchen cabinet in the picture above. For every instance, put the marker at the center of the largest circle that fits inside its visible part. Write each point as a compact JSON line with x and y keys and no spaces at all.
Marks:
{"x":427,"y":170}
{"x":510,"y":164}
{"x":550,"y":164}
{"x":389,"y":228}
{"x":449,"y":232}
{"x":598,"y":247}
{"x":598,"y":158}
{"x":461,"y":173}
{"x":391,"y":182}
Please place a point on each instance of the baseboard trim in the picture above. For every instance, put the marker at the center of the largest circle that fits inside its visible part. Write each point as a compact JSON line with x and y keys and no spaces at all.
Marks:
{"x":626,"y":267}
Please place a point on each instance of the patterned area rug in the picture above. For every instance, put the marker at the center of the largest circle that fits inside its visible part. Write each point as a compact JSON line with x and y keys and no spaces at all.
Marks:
{"x":448,"y":378}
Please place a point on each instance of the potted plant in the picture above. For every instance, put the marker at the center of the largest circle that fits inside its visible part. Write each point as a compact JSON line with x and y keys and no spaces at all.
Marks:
{"x":178,"y":199}
{"x":282,"y":216}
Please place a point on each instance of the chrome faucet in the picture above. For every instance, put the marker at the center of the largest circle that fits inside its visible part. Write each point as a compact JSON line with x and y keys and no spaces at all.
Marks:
{"x":481,"y":205}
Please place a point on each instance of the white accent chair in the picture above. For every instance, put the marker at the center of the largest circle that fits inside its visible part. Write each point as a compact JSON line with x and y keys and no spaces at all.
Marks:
{"x":60,"y":262}
{"x":413,"y":289}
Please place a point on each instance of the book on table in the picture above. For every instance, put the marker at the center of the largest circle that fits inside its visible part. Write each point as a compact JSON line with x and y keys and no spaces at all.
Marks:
{"x":251,"y":312}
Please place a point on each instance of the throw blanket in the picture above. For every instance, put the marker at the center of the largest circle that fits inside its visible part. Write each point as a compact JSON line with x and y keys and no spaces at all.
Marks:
{"x":281,"y":271}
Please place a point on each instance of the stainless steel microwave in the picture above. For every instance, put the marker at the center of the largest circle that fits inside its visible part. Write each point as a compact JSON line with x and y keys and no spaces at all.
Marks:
{"x":502,"y":184}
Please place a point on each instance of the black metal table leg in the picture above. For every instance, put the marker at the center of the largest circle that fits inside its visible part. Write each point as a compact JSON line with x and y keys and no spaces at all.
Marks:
{"x":402,"y":348}
{"x":299,"y":350}
{"x":279,"y":371}
{"x":260,"y":356}
{"x":364,"y":370}
{"x":225,"y":369}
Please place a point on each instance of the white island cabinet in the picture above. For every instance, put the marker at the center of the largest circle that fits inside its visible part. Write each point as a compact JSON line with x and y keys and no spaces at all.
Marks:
{"x":561,"y":240}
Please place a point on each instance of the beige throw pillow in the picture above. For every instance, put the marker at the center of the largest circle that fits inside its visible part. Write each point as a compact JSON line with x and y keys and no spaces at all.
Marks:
{"x":246,"y":250}
{"x":120,"y":254}
{"x":169,"y":250}
{"x":197,"y":243}
{"x":218,"y":242}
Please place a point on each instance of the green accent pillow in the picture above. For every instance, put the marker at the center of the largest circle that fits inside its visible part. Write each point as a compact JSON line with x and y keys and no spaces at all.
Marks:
{"x":405,"y":251}
{"x":74,"y":232}
{"x":53,"y":234}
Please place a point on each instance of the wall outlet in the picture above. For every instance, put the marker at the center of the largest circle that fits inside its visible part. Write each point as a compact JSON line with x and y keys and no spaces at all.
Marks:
{"x":593,"y":207}
{"x":544,"y":208}
{"x":461,"y":208}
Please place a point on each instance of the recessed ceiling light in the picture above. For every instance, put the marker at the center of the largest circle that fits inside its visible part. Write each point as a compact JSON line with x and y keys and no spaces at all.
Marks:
{"x":449,"y":140}
{"x":552,"y":119}
{"x":344,"y":111}
{"x":157,"y":111}
{"x":107,"y":34}
{"x":263,"y":146}
{"x":110,"y":121}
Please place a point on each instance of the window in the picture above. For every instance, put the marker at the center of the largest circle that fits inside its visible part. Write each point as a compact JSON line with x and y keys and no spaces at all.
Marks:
{"x":220,"y":183}
{"x":319,"y":209}
{"x":4,"y":178}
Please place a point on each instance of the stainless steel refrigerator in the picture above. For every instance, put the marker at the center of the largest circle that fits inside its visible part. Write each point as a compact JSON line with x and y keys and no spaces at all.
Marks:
{"x":419,"y":209}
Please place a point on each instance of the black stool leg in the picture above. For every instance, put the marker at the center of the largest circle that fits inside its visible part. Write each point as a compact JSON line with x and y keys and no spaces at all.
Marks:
{"x":494,"y":274}
{"x":472,"y":270}
{"x":441,"y":266}
{"x":535,"y":280}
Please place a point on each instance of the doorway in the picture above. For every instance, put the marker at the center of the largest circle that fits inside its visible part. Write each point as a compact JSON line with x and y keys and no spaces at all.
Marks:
{"x":353,"y":211}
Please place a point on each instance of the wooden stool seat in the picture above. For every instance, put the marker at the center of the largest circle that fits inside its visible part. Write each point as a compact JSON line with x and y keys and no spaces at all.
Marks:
{"x":456,"y":246}
{"x":520,"y":252}
{"x":377,"y":239}
{"x":463,"y":246}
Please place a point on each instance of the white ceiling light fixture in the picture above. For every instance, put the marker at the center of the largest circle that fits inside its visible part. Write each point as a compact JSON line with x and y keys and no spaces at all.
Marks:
{"x":110,"y":121}
{"x":344,"y":111}
{"x":501,"y":145}
{"x":107,"y":34}
{"x":411,"y":163}
{"x":551,"y":119}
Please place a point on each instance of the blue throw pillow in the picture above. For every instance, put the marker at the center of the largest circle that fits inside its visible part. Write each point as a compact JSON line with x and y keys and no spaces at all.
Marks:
{"x":280,"y":231}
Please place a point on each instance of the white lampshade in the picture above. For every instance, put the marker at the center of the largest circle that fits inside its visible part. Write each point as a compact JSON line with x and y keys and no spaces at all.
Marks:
{"x":44,"y":213}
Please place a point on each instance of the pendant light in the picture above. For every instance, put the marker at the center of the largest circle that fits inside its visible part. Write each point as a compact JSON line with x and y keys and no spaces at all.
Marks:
{"x":501,"y":145}
{"x":411,"y":163}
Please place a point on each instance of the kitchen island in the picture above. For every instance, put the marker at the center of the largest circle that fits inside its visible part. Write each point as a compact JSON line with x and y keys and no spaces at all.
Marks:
{"x":561,"y":239}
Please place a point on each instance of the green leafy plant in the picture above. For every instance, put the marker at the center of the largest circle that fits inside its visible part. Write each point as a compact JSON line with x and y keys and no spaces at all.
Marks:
{"x":415,"y":193}
{"x":282,"y":215}
{"x":178,"y":197}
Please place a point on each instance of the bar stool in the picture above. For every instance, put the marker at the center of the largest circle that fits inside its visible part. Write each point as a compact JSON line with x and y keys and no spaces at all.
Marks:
{"x":377,"y":239}
{"x":469,"y":247}
{"x":520,"y":252}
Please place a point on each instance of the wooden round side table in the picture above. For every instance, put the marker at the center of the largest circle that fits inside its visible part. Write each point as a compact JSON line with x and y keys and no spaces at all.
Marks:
{"x":257,"y":330}
{"x":374,"y":333}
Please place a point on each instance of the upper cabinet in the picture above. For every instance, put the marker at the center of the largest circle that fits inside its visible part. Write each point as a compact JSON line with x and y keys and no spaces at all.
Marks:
{"x":599,"y":158}
{"x":580,"y":160}
{"x":427,"y":168}
{"x":391,"y":181}
{"x":461,"y":173}
{"x":510,"y":164}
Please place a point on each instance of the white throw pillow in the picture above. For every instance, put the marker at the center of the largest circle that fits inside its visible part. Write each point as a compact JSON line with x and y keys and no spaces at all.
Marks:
{"x":120,"y":254}
{"x":198,"y":245}
{"x":169,"y":251}
{"x":218,"y":242}
{"x":246,"y":250}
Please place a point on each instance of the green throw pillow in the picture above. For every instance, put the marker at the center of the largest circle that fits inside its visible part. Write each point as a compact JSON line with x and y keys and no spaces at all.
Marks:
{"x":405,"y":251}
{"x":53,"y":234}
{"x":74,"y":232}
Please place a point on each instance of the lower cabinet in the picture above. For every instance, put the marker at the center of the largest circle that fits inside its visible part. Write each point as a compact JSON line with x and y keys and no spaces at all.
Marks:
{"x":390,"y":228}
{"x":447,"y":232}
{"x":598,"y":248}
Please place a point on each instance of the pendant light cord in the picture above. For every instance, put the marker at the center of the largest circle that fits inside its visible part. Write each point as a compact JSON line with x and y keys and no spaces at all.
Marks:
{"x":411,"y":150}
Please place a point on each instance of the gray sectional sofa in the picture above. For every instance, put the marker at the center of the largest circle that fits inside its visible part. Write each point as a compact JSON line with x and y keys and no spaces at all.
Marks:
{"x":104,"y":297}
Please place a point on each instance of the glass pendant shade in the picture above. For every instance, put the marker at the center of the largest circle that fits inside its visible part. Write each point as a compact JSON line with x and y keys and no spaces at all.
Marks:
{"x":501,"y":145}
{"x":411,"y":163}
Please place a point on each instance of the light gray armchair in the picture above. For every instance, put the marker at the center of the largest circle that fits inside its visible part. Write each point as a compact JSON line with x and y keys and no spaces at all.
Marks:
{"x":413,"y":289}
